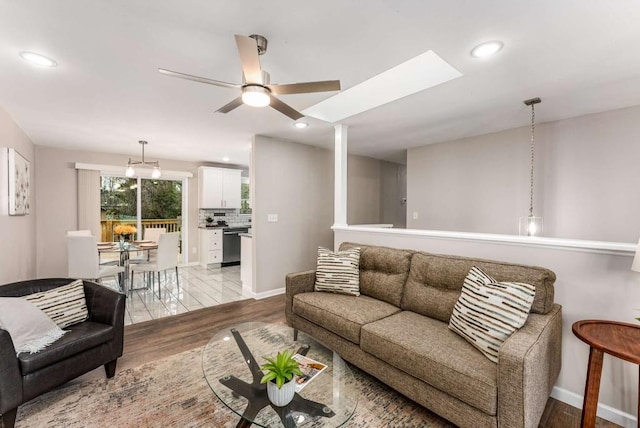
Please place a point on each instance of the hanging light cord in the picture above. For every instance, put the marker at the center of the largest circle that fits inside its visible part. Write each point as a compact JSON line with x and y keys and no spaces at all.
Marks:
{"x":533,"y":129}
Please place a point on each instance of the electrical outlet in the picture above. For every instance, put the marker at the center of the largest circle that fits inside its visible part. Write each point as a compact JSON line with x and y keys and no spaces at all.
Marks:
{"x":272,"y":218}
{"x":415,"y":215}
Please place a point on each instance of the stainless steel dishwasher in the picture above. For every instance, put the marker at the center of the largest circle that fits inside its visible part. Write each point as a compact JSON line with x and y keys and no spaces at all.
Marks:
{"x":231,"y":245}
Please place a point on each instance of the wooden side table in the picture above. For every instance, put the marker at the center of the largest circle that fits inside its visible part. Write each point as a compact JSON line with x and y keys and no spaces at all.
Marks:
{"x":621,"y":340}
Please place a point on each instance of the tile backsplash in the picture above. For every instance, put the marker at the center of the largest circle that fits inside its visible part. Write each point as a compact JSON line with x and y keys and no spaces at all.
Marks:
{"x":231,"y":215}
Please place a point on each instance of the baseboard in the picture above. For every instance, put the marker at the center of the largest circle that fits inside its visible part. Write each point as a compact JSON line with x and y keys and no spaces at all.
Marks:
{"x":605,"y":412}
{"x":268,"y":293}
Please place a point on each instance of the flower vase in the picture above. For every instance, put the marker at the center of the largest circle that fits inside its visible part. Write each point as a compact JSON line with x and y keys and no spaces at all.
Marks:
{"x":281,"y":396}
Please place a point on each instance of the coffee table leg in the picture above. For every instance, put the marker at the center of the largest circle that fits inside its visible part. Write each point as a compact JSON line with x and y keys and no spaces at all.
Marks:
{"x":592,"y":389}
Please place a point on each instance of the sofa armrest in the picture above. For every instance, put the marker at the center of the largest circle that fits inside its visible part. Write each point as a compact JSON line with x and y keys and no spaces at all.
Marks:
{"x":10,"y":376}
{"x":298,"y":282}
{"x":104,"y":304}
{"x":528,"y":366}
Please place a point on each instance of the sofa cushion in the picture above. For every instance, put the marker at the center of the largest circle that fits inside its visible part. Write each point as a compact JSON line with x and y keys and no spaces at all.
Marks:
{"x":426,"y":349}
{"x":383,"y":271}
{"x":341,"y":314}
{"x":79,"y":338}
{"x":338,"y":272}
{"x":488,"y":312}
{"x":435,"y":282}
{"x":65,"y":305}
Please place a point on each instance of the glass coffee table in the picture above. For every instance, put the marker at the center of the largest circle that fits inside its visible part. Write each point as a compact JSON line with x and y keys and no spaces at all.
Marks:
{"x":231,"y":365}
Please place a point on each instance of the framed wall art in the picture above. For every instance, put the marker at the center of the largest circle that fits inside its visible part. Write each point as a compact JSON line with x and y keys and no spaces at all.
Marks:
{"x":19,"y":184}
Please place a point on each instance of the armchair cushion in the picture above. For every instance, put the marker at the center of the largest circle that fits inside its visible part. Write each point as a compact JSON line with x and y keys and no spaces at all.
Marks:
{"x":31,"y":330}
{"x":79,"y":338}
{"x":65,"y":305}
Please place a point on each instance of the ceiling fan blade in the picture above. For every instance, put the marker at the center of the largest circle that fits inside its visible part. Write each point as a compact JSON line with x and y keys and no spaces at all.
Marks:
{"x":230,"y":106}
{"x":305,"y":87}
{"x":248,"y":50}
{"x":285,"y":109}
{"x":199,"y":79}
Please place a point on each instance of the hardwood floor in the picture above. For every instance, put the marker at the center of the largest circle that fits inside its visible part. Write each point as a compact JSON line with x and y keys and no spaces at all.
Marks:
{"x":156,"y":339}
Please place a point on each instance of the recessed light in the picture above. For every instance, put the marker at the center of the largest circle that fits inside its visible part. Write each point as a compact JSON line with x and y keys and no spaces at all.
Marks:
{"x":486,"y":49}
{"x":300,"y":125}
{"x":225,"y":159}
{"x":38,"y":59}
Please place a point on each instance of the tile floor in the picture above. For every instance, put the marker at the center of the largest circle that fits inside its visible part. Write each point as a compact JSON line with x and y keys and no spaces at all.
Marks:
{"x":199,"y":288}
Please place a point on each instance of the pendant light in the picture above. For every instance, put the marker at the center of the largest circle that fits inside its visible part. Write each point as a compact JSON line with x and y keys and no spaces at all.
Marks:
{"x":130,"y":171}
{"x":531,"y":225}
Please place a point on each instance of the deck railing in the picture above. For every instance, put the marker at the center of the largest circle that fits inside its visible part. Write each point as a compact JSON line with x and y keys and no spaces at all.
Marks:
{"x":107,"y":233}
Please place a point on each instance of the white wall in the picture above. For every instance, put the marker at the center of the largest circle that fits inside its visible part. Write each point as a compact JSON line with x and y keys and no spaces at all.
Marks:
{"x":17,"y":252}
{"x":393,"y":182}
{"x":590,"y":285}
{"x":363,"y":190}
{"x":586,"y":179}
{"x":374,"y":191}
{"x":294,"y":181}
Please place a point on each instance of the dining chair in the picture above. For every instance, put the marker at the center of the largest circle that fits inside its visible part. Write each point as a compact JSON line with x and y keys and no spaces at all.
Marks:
{"x":150,"y":234}
{"x":153,"y":233}
{"x":167,"y":258}
{"x":83,"y":261}
{"x":87,"y":232}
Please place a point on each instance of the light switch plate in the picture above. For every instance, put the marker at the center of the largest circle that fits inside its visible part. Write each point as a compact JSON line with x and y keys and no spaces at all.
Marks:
{"x":415,"y":215}
{"x":272,"y":218}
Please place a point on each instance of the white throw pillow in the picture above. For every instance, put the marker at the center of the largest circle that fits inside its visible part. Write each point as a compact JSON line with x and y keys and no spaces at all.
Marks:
{"x":488,"y":312}
{"x":338,"y":272}
{"x":31,"y":330}
{"x":65,"y":305}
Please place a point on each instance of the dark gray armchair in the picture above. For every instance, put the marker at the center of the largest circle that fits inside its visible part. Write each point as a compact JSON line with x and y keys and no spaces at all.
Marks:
{"x":88,"y":345}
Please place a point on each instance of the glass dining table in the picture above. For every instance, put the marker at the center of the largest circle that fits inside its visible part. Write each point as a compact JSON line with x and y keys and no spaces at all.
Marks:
{"x":122,"y":251}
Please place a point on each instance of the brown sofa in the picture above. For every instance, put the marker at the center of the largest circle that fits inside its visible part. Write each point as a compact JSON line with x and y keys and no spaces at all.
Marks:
{"x":87,"y":345}
{"x":397,"y":330}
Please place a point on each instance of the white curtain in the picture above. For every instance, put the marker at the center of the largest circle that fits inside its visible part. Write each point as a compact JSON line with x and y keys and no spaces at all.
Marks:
{"x":89,"y":201}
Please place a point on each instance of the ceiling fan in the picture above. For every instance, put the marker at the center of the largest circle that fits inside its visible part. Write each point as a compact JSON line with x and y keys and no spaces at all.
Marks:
{"x":257,"y":90}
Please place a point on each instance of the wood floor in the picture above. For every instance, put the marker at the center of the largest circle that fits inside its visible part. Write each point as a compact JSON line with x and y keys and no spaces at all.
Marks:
{"x":156,"y":339}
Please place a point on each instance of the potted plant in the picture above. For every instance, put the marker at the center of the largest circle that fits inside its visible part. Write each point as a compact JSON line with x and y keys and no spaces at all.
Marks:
{"x":279,"y":377}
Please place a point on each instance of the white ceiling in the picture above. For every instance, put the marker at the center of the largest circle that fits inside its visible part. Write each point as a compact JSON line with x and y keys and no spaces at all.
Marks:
{"x":579,"y":56}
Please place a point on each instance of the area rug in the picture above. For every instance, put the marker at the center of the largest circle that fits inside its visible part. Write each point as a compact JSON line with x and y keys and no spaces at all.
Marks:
{"x":173,"y":393}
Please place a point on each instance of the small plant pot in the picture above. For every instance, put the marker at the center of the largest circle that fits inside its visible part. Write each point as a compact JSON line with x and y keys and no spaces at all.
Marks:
{"x":281,"y":396}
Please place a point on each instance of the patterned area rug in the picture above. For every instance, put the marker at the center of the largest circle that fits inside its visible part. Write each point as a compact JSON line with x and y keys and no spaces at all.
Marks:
{"x":173,"y":393}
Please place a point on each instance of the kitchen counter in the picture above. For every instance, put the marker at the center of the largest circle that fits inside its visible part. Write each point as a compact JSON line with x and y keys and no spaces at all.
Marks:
{"x":245,"y":235}
{"x":232,"y":225}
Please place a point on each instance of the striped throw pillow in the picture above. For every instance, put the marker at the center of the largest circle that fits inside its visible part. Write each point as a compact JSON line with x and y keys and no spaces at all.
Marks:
{"x":488,"y":312}
{"x":338,"y":272}
{"x":65,"y":305}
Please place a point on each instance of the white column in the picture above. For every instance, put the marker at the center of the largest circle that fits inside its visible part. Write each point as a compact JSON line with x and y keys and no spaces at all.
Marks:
{"x":340,"y":173}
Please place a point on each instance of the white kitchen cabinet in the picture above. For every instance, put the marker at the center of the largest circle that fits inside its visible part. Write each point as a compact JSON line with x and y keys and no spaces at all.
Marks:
{"x":210,"y":246}
{"x":219,"y":187}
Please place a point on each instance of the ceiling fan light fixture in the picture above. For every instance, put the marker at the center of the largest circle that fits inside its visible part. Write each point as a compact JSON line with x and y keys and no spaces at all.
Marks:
{"x":487,"y":49}
{"x":256,"y":96}
{"x":38,"y":59}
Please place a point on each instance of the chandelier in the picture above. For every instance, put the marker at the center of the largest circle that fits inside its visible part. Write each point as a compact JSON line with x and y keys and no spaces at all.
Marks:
{"x":531,"y":225}
{"x":130,"y":171}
